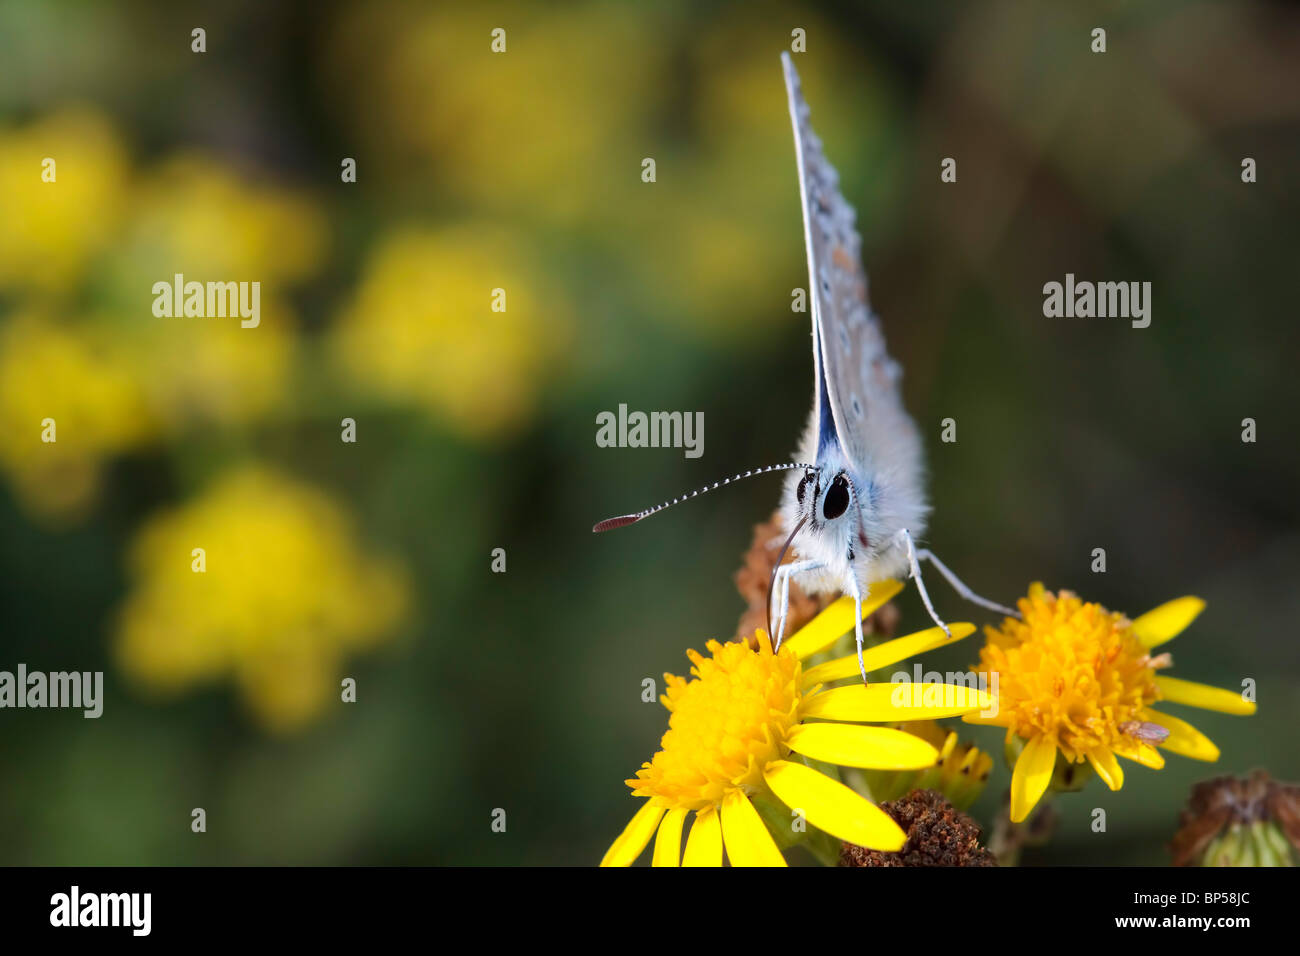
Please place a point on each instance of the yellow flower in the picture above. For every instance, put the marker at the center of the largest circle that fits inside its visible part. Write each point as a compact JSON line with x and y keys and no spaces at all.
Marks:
{"x":401,"y":72}
{"x":72,"y":386}
{"x":49,"y":230}
{"x":457,"y":322}
{"x":284,"y":596}
{"x":198,"y":217}
{"x":1078,"y":680}
{"x":195,"y":215}
{"x":213,"y":371}
{"x":742,"y":729}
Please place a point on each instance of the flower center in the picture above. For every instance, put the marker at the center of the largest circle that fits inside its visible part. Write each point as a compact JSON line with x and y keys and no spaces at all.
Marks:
{"x":1072,"y":671}
{"x":727,"y":724}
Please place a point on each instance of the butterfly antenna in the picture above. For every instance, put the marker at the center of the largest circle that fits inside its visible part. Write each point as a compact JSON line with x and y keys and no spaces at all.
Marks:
{"x":609,"y":524}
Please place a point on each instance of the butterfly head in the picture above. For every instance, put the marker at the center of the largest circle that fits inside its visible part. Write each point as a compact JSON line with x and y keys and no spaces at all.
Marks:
{"x":834,"y":511}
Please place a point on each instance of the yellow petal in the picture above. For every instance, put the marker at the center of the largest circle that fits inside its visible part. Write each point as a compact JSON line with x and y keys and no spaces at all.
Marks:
{"x":1167,"y":621}
{"x":668,"y":840}
{"x":829,"y":805}
{"x":1107,"y":767}
{"x":1032,"y":775}
{"x":882,"y":655}
{"x":748,"y":842}
{"x":1140,"y":752}
{"x":854,"y":745}
{"x":704,"y":845}
{"x":997,"y":720}
{"x":629,"y":844}
{"x":837,"y":619}
{"x":1204,"y":696}
{"x":949,"y":744}
{"x":1183,"y":738}
{"x":894,"y":702}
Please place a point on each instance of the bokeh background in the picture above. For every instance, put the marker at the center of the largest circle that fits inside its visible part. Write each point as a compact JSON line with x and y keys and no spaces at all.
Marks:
{"x":476,"y":429}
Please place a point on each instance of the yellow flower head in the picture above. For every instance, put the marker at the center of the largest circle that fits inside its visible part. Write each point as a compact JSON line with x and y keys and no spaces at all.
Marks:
{"x":197,"y":215}
{"x":402,"y":69}
{"x":1076,"y":679}
{"x":745,"y":728}
{"x":65,"y":182}
{"x":279,"y":596}
{"x":726,"y":726}
{"x":458,"y":322}
{"x":68,"y":400}
{"x":200,"y":371}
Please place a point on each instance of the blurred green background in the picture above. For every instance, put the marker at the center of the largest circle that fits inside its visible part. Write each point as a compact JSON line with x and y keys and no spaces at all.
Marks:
{"x":476,"y":429}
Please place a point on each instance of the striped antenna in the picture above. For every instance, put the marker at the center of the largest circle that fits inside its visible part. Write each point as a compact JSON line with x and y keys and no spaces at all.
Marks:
{"x":609,"y":524}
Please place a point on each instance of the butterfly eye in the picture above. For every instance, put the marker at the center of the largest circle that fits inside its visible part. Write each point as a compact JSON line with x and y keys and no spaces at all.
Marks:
{"x":837,"y":498}
{"x":803,"y":485}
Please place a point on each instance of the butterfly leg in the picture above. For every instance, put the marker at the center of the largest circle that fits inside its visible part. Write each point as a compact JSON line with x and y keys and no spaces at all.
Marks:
{"x":960,"y":587}
{"x":783,"y":586}
{"x":857,"y":601}
{"x":915,"y":566}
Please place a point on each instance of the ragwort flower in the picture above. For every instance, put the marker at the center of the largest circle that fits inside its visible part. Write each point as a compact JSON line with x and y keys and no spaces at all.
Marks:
{"x":1079,"y":681}
{"x":747,"y":730}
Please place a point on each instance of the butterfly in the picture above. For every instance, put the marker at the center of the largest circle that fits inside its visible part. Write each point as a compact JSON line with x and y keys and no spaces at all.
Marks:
{"x":854,"y":503}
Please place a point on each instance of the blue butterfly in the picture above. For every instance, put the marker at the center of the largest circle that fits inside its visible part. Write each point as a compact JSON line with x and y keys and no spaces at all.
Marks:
{"x":854,"y":504}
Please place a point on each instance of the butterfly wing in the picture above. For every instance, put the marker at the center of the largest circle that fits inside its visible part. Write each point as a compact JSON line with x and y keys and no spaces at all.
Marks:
{"x":855,"y":376}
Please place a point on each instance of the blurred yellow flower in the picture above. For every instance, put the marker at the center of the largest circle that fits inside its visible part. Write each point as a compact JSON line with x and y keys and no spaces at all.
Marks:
{"x":285,"y":597}
{"x":196,"y":215}
{"x":121,"y":374}
{"x":549,"y":126}
{"x":212,"y":371}
{"x":748,"y":733}
{"x":49,"y":230}
{"x":422,"y":328}
{"x":1077,"y":680}
{"x":75,"y":387}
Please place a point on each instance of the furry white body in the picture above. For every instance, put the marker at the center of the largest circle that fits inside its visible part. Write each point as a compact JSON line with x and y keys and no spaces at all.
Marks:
{"x":864,"y":542}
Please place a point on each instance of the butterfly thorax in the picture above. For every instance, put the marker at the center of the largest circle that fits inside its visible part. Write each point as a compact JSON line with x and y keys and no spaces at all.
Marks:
{"x":849,"y":514}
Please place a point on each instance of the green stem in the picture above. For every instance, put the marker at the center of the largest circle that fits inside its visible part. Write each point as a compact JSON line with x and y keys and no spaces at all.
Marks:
{"x":824,"y":847}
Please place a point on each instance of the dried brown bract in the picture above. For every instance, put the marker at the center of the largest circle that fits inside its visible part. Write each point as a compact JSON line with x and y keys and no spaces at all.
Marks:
{"x":1223,"y":804}
{"x":937,"y":835}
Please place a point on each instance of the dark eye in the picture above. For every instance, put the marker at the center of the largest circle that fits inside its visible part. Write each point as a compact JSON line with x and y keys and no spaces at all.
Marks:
{"x":837,"y":498}
{"x":803,"y":484}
